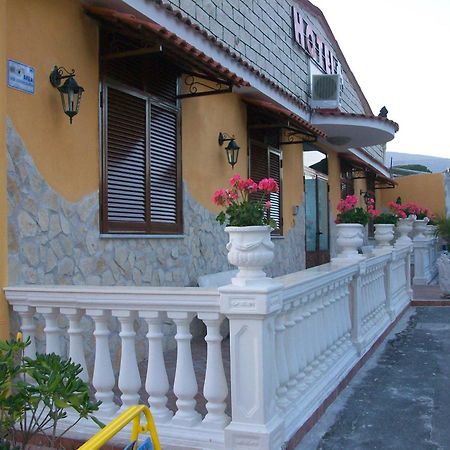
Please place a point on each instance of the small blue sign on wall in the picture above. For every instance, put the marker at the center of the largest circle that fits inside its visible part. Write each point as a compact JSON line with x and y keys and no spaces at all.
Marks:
{"x":20,"y":76}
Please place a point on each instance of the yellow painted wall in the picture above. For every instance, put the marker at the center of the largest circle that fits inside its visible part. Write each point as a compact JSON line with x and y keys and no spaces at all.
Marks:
{"x":293,"y":189}
{"x":427,"y":190}
{"x":44,"y":33}
{"x":4,"y":317}
{"x":205,"y":166}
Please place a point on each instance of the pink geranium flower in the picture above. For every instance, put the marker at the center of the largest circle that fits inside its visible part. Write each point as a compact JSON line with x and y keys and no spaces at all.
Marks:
{"x":220,"y":197}
{"x":269,"y":185}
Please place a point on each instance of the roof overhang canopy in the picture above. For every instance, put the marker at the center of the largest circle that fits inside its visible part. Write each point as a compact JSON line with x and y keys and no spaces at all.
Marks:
{"x":349,"y":130}
{"x":153,"y":36}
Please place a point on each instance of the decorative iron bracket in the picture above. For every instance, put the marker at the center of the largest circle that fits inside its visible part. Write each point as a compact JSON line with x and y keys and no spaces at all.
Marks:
{"x":194,"y":82}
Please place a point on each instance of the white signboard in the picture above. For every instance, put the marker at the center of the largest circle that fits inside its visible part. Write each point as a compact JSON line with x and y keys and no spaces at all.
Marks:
{"x":20,"y":76}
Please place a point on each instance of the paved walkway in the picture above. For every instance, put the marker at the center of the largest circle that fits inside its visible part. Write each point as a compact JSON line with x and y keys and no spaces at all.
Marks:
{"x":401,"y":398}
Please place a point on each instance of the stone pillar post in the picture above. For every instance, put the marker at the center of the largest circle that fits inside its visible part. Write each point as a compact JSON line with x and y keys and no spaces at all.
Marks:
{"x":252,"y":311}
{"x":422,"y":263}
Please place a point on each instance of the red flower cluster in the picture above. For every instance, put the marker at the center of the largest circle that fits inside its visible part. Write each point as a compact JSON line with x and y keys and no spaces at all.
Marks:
{"x":241,"y":187}
{"x":371,"y":208}
{"x":348,"y":203}
{"x":403,"y":210}
{"x":239,"y":209}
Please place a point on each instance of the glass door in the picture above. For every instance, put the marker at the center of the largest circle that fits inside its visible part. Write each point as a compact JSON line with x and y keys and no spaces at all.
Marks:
{"x":316,"y":218}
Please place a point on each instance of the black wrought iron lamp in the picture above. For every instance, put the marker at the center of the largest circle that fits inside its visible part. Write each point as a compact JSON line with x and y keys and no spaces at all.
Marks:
{"x":70,"y":91}
{"x":232,"y":149}
{"x":366,"y":195}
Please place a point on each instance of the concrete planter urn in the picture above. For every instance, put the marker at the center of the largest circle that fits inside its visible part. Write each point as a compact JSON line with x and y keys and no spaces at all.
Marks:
{"x":443,"y":263}
{"x":404,"y":227}
{"x":250,"y":249}
{"x":350,"y":237}
{"x":430,"y":231}
{"x":420,"y":227}
{"x":384,"y":234}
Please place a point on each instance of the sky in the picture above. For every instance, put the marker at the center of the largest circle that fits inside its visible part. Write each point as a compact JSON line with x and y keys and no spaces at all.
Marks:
{"x":399,"y":52}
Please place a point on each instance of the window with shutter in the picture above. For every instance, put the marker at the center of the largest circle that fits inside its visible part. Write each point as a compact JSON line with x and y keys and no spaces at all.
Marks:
{"x":141,"y":173}
{"x":265,"y":162}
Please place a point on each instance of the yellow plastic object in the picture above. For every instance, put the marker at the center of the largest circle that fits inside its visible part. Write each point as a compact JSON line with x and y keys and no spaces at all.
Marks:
{"x":133,"y":413}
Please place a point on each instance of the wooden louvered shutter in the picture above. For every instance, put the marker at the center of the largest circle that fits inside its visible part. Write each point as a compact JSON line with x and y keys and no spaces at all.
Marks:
{"x":275,"y":198}
{"x":125,"y":161}
{"x":164,"y":169}
{"x":259,"y":163}
{"x":266,"y":163}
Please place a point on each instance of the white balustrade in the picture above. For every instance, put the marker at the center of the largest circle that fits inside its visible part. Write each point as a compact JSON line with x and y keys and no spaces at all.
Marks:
{"x":28,"y":328}
{"x":129,"y":377}
{"x":292,"y":341}
{"x":75,"y":332}
{"x":185,"y":384}
{"x":103,"y":378}
{"x":215,"y":389}
{"x":51,"y":330}
{"x":156,"y":382}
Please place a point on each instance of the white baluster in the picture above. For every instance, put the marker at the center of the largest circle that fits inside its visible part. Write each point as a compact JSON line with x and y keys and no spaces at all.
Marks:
{"x":51,"y":330}
{"x":302,"y":344}
{"x":129,"y":377}
{"x":185,"y":386}
{"x":156,"y":382}
{"x":103,"y":378}
{"x":76,"y":346}
{"x":282,"y":369}
{"x":291,"y":353}
{"x":28,"y":328}
{"x":308,"y":336}
{"x":215,"y":389}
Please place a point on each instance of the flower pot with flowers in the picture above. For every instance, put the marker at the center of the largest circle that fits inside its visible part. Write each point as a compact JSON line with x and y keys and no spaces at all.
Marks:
{"x":350,"y":223}
{"x":404,"y":223}
{"x":384,"y":223}
{"x":246,"y":213}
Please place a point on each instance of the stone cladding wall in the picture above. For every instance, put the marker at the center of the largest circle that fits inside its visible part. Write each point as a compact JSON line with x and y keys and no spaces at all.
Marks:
{"x":53,"y":241}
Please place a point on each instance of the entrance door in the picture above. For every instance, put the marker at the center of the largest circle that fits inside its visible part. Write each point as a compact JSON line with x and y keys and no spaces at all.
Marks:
{"x":317,"y":218}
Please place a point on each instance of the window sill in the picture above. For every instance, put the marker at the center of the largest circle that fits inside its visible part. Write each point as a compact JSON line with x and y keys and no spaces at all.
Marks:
{"x":141,"y":236}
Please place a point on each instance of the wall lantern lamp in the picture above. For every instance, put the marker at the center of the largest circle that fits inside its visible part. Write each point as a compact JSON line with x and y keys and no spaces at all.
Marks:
{"x":232,"y":148}
{"x":70,"y":91}
{"x":366,"y":195}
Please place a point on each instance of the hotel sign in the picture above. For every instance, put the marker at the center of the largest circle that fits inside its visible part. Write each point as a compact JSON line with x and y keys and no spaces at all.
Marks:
{"x":309,"y":39}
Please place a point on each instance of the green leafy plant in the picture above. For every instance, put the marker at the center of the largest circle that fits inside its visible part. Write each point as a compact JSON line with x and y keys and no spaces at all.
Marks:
{"x":36,"y":393}
{"x":443,"y":228}
{"x":386,"y":218}
{"x":348,"y":212}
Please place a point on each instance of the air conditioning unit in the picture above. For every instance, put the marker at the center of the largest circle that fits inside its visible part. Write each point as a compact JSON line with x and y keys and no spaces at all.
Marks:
{"x":325,"y":91}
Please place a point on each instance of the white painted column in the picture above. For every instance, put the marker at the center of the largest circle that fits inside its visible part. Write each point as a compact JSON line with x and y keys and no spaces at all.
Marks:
{"x":252,"y":311}
{"x":103,"y":378}
{"x":28,"y":328}
{"x":291,"y":351}
{"x":185,"y":385}
{"x":355,"y":305}
{"x":51,"y":330}
{"x":281,"y":361}
{"x":408,"y":273}
{"x":76,"y":346}
{"x":129,"y":377}
{"x":156,"y":382}
{"x":215,"y":389}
